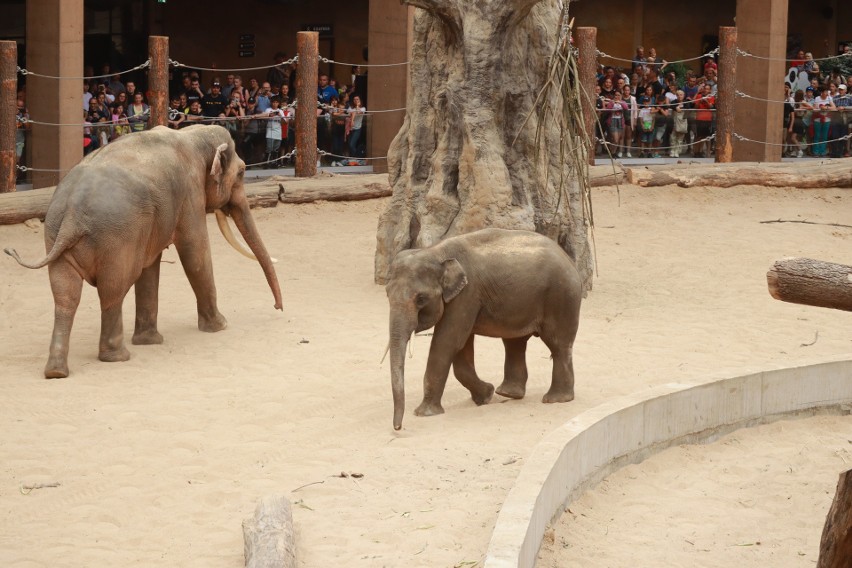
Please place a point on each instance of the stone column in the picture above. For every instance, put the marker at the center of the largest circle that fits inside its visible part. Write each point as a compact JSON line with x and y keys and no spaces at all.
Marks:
{"x":55,"y":47}
{"x":389,"y":42}
{"x":761,"y":30}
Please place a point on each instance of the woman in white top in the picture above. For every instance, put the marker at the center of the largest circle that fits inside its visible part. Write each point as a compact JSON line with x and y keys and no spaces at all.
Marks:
{"x":356,"y":123}
{"x":822,"y":120}
{"x":629,"y":119}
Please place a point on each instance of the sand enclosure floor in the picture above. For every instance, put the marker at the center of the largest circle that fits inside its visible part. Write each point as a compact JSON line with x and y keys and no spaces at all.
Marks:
{"x":159,"y":459}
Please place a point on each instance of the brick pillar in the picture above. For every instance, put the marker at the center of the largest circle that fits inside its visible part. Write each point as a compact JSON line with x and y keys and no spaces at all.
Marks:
{"x":761,"y":30}
{"x":55,"y":47}
{"x":388,"y":42}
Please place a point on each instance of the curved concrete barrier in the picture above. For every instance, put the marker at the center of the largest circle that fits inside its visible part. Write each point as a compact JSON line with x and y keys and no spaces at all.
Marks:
{"x":587,"y":448}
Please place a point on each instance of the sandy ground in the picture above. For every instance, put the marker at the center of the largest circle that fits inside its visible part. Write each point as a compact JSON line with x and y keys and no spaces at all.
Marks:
{"x":159,"y":459}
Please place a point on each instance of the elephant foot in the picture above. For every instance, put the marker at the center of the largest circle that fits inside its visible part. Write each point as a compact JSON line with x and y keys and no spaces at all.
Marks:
{"x":147,"y":337}
{"x":56,"y":369}
{"x":554,"y":395}
{"x":484,"y":395}
{"x":114,"y":355}
{"x":428,"y":409}
{"x":512,"y":390}
{"x":212,"y":325}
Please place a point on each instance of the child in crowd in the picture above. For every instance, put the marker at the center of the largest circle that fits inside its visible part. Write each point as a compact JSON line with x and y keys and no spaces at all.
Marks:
{"x":274,"y":117}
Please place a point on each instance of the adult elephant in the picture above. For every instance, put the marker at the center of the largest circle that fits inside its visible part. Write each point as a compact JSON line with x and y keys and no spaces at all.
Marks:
{"x":492,"y":282}
{"x":117,"y":210}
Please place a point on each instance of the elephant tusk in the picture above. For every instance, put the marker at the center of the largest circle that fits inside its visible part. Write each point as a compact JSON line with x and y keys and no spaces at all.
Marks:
{"x":229,"y":235}
{"x":385,"y":353}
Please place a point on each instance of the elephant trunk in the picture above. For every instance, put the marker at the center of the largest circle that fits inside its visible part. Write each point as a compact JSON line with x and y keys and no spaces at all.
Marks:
{"x":400,"y":331}
{"x":245,"y":223}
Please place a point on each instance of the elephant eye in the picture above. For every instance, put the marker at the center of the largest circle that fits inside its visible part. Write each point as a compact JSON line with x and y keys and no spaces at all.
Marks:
{"x":421,"y":300}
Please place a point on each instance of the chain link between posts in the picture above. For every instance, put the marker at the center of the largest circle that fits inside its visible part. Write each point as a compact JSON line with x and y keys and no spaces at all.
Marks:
{"x":143,"y":65}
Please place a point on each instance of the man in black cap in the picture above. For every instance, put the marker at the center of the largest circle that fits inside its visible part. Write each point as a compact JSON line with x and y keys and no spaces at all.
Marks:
{"x":213,"y":104}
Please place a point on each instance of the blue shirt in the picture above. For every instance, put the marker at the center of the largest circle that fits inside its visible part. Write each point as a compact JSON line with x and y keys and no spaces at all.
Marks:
{"x":263,"y":103}
{"x":324,"y":94}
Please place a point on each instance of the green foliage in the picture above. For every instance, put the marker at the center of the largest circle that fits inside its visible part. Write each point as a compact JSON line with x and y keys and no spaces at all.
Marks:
{"x":679,"y":69}
{"x":842,"y":64}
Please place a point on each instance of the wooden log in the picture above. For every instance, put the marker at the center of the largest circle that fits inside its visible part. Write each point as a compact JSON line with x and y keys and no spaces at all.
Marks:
{"x":606,"y":174}
{"x":158,"y":81}
{"x":726,"y":94}
{"x":804,"y":175}
{"x":306,"y":109}
{"x":17,"y":207}
{"x":269,"y":539}
{"x":811,"y":282}
{"x":8,"y":108}
{"x":835,"y":546}
{"x":587,"y":60}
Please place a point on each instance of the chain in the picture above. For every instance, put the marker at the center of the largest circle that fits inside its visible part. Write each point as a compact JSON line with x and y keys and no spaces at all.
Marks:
{"x":330,"y":108}
{"x":324,"y":153}
{"x":286,"y":156}
{"x":178,"y":64}
{"x":710,"y":53}
{"x":327,"y":60}
{"x":743,"y":53}
{"x":744,"y":139}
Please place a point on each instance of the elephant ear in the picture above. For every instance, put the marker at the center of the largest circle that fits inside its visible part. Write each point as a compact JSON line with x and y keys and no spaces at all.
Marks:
{"x":218,"y":165}
{"x":453,"y":280}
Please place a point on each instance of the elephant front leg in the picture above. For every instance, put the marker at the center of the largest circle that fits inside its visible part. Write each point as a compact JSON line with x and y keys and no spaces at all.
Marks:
{"x":67,"y":287}
{"x":449,"y":338}
{"x":515,"y":368}
{"x":465,"y":371}
{"x":194,"y":253}
{"x":147,"y":292}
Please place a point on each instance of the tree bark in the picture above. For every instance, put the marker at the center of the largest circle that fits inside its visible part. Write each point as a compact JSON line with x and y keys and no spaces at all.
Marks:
{"x":269,"y":539}
{"x":828,"y":173}
{"x":811,"y":282}
{"x":466,"y":156}
{"x":835,"y":546}
{"x":306,"y":109}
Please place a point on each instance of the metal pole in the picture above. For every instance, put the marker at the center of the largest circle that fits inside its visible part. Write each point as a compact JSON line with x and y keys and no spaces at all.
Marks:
{"x":726,"y":94}
{"x":307,"y":74}
{"x":158,"y":80}
{"x":587,"y":62}
{"x":8,"y":108}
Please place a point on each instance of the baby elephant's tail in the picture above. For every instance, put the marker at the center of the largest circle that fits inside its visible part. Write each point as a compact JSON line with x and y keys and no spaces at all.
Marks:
{"x":43,"y":262}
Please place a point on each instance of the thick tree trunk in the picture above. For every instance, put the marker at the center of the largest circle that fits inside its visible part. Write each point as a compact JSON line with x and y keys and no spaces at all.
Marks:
{"x":466,"y":156}
{"x":269,"y":539}
{"x":811,"y":282}
{"x":835,"y":546}
{"x":828,"y":173}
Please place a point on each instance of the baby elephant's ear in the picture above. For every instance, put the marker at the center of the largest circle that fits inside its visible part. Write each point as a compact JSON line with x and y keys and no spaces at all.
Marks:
{"x":454,"y":279}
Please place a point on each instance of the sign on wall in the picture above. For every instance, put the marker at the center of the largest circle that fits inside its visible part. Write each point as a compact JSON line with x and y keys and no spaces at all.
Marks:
{"x":324,"y":30}
{"x":247,"y":45}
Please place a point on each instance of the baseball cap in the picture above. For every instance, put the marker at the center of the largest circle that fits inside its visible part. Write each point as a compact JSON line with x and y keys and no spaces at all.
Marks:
{"x":841,"y":86}
{"x":811,"y":89}
{"x":216,"y":84}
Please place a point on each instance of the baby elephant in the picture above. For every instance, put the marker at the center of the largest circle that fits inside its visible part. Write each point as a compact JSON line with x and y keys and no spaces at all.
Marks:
{"x":493,"y":282}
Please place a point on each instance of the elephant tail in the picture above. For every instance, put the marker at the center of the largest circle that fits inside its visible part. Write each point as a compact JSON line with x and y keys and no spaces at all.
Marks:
{"x":64,"y":241}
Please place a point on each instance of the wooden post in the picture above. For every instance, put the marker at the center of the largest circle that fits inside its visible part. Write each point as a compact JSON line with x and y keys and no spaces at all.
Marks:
{"x":726,"y":94}
{"x":268,"y":537}
{"x":811,"y":282}
{"x":835,"y":546}
{"x":158,"y":80}
{"x":8,"y":108}
{"x":587,"y":60}
{"x":306,"y":106}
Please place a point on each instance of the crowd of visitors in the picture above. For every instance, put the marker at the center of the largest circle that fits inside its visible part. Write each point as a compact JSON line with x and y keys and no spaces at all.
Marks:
{"x":259,"y":114}
{"x":655,"y":109}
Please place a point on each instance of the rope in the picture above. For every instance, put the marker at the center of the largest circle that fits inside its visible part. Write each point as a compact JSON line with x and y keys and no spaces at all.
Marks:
{"x":178,"y":64}
{"x":743,"y":53}
{"x":147,"y":63}
{"x":710,"y":53}
{"x":286,"y":156}
{"x":324,"y":153}
{"x":744,"y":139}
{"x":330,"y":108}
{"x":327,"y":60}
{"x":654,"y":148}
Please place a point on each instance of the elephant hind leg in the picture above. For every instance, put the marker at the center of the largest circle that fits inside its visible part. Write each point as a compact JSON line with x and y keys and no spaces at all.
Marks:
{"x":515,"y":368}
{"x":147,"y":292}
{"x":67,"y":287}
{"x":562,"y":383}
{"x":464,"y":370}
{"x":111,"y":293}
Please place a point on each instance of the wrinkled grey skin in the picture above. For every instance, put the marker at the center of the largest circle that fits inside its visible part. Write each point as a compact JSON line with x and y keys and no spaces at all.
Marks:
{"x":492,"y":282}
{"x":117,"y":210}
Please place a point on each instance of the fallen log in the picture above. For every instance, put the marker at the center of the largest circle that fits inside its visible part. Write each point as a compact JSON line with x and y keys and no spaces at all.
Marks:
{"x":805,"y":175}
{"x":835,"y":546}
{"x":811,"y":282}
{"x":269,"y":540}
{"x":18,"y":206}
{"x":606,"y":174}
